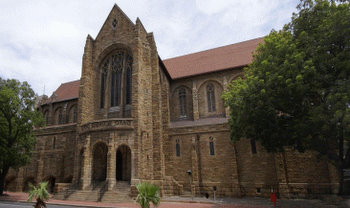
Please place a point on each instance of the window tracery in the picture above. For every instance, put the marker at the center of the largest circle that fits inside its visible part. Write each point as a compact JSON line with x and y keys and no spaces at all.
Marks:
{"x":117,"y":67}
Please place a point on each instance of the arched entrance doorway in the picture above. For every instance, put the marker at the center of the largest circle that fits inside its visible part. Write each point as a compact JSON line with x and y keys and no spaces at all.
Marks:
{"x":99,"y":169}
{"x":123,"y":168}
{"x":51,"y":180}
{"x":26,"y":183}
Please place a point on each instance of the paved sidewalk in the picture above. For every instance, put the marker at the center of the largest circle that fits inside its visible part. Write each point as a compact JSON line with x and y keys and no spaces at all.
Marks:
{"x":196,"y":202}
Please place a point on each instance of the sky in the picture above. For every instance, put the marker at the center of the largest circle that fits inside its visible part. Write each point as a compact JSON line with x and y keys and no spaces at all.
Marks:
{"x":42,"y":41}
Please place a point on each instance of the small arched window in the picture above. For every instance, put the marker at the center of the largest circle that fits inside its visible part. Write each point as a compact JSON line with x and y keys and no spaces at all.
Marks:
{"x":211,"y":98}
{"x":182,"y":102}
{"x":177,"y":146}
{"x":211,"y":146}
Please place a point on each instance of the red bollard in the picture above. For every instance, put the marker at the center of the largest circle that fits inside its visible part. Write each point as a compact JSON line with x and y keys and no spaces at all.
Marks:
{"x":273,"y":198}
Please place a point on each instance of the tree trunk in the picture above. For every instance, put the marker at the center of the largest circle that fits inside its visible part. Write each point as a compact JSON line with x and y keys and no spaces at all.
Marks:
{"x":3,"y":174}
{"x":341,"y":160}
{"x":341,"y":181}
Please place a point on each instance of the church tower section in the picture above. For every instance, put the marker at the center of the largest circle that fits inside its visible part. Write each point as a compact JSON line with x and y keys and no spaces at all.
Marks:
{"x":121,"y":125}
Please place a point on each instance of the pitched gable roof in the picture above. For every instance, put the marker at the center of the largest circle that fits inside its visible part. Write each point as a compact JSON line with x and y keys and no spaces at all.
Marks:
{"x":217,"y":59}
{"x":66,"y":91}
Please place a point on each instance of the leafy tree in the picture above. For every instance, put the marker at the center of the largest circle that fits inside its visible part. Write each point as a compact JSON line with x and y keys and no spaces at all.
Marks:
{"x":17,"y":119}
{"x":147,"y":193}
{"x":296,"y":92}
{"x":40,"y":193}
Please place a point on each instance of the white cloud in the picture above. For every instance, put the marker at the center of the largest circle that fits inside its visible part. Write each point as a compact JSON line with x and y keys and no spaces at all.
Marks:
{"x":42,"y":41}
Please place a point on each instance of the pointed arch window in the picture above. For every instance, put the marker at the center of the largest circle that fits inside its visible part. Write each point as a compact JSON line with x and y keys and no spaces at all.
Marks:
{"x":177,"y":146}
{"x":182,"y":102}
{"x":211,"y":98}
{"x":211,"y":146}
{"x":116,"y":77}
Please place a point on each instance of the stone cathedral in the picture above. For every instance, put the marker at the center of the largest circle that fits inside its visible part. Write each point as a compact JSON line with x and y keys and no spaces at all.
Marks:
{"x":134,"y":117}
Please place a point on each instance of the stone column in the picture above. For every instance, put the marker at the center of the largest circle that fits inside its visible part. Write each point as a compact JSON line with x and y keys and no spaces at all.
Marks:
{"x":111,"y":165}
{"x":40,"y":169}
{"x":76,"y":179}
{"x":195,"y":176}
{"x":235,"y":177}
{"x":195,"y":101}
{"x":87,"y":165}
{"x":227,"y":109}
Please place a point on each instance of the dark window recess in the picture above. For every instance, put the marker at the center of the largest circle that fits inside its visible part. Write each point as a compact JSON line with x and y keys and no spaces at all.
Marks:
{"x":113,"y":89}
{"x":114,"y":23}
{"x":54,"y":143}
{"x":102,"y":98}
{"x":253,"y":146}
{"x":258,"y":190}
{"x":211,"y":146}
{"x":177,"y":149}
{"x":211,"y":98}
{"x":182,"y":102}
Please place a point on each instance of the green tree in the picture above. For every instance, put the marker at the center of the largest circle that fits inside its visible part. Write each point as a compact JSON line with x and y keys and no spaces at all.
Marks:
{"x":17,"y":119}
{"x":40,"y":193}
{"x":296,"y":92}
{"x":147,"y":193}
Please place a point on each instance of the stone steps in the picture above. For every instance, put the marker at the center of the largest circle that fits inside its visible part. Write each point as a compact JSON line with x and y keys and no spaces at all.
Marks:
{"x":120,"y":193}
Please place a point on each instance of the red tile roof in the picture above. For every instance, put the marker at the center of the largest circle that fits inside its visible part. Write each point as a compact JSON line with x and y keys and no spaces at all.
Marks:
{"x":67,"y":91}
{"x":217,"y":59}
{"x":225,"y":57}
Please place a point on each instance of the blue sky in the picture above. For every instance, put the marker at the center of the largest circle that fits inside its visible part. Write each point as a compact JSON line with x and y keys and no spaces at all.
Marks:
{"x":42,"y":41}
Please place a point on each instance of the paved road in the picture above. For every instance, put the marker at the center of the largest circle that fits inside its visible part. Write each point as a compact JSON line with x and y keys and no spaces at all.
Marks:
{"x":7,"y":204}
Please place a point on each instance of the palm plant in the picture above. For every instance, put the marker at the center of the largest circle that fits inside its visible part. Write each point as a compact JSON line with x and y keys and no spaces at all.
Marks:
{"x":40,"y":193}
{"x":147,"y":193}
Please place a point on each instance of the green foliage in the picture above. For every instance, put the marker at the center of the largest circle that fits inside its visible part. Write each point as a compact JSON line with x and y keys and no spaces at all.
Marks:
{"x":40,"y":192}
{"x":147,"y":193}
{"x":17,"y":120}
{"x":296,"y":92}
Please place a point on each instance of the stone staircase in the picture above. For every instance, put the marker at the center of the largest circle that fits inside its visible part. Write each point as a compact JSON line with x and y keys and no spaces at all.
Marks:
{"x":98,"y":193}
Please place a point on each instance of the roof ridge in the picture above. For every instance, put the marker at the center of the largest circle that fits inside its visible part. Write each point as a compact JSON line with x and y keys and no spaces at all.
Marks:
{"x":70,"y":81}
{"x":213,"y":48}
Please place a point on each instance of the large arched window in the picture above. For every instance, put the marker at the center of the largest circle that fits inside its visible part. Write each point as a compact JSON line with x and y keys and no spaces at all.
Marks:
{"x":118,"y":67}
{"x":211,"y":98}
{"x":182,"y":102}
{"x":73,"y":114}
{"x":46,"y":116}
{"x":59,"y":116}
